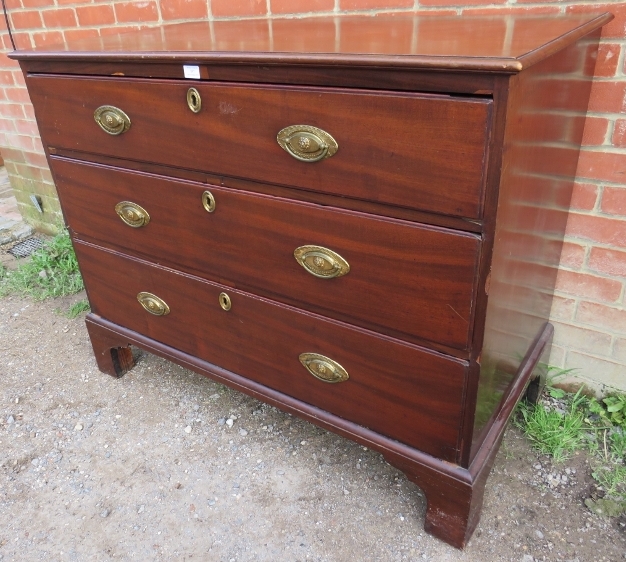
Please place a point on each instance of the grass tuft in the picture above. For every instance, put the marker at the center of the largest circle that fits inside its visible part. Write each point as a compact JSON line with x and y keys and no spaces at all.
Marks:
{"x":552,"y":432}
{"x":78,"y":308}
{"x":51,"y":271}
{"x":562,"y":423}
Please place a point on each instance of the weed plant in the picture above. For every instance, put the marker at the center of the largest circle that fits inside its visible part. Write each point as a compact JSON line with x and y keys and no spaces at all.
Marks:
{"x":553,"y":432}
{"x":562,"y":423}
{"x":78,"y":308}
{"x":51,"y":271}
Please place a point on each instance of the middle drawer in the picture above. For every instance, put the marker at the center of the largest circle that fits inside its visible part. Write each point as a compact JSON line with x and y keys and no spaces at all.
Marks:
{"x":408,"y":280}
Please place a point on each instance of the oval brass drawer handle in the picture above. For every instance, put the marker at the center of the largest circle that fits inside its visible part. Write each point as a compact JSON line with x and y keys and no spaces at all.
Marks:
{"x":323,"y":368}
{"x":194,"y":101}
{"x":321,"y":262}
{"x":111,"y":119}
{"x":153,"y":304}
{"x":132,"y":214}
{"x":307,"y":143}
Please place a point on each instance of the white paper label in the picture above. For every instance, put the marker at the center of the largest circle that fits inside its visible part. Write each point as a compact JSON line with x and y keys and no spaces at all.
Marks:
{"x":191,"y":71}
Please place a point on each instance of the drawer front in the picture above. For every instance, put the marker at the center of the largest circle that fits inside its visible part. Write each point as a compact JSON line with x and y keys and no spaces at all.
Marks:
{"x":403,"y":278}
{"x":396,"y":389}
{"x":420,"y":151}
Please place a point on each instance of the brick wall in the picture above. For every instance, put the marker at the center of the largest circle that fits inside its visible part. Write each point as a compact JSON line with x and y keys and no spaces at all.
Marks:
{"x":588,"y":313}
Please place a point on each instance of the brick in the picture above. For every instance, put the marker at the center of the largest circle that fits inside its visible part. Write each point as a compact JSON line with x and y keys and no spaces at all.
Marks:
{"x":601,"y":371}
{"x":607,"y":60}
{"x":38,"y":3}
{"x":582,"y":339}
{"x":12,"y":110}
{"x":14,"y":4}
{"x":619,"y":133}
{"x":557,"y":356}
{"x":47,"y":38}
{"x":619,"y":351}
{"x":534,"y":10}
{"x":18,"y":76}
{"x":6,"y":78}
{"x":588,"y":286}
{"x":19,"y":95}
{"x":30,"y":19}
{"x":27,"y":127}
{"x":226,"y":8}
{"x":12,"y":154}
{"x":36,"y":159}
{"x":7,"y":126}
{"x":614,"y":201}
{"x":609,"y":262}
{"x":572,"y":255}
{"x":602,"y":316}
{"x":595,"y":131}
{"x":614,"y":28}
{"x":98,"y":15}
{"x":119,"y":29}
{"x":21,"y":141}
{"x":38,"y":146}
{"x":184,"y":9}
{"x":22,"y":41}
{"x":29,"y":111}
{"x":584,"y":196}
{"x":602,"y":166}
{"x":78,"y":34}
{"x":607,"y":96}
{"x":604,"y":230}
{"x":126,"y":12}
{"x":301,"y":6}
{"x":60,"y":17}
{"x":562,"y":308}
{"x":371,"y":4}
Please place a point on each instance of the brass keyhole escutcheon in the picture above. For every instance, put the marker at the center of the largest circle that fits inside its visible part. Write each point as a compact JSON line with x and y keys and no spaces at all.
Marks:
{"x":112,"y":120}
{"x":225,"y":302}
{"x":132,"y":214}
{"x":194,"y":101}
{"x":208,"y":202}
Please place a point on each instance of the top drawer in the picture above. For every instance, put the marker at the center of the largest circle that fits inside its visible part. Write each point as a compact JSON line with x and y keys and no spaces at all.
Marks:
{"x":421,"y":151}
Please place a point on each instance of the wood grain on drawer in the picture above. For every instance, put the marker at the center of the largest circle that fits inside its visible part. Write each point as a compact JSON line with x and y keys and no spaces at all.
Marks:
{"x":397,"y":389}
{"x":421,"y":151}
{"x":404,"y":278}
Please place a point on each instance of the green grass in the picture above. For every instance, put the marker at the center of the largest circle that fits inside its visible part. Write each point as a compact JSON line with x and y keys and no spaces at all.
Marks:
{"x":554,"y":433}
{"x":597,"y":426}
{"x":51,"y":271}
{"x":78,"y":308}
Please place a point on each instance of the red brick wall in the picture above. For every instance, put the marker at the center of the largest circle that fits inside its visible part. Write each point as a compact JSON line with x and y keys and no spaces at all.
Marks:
{"x":589,"y":311}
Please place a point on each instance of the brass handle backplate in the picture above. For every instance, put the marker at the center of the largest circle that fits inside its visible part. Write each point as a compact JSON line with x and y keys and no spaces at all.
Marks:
{"x":111,"y":119}
{"x":321,"y":262}
{"x":225,"y":301}
{"x":132,"y":214}
{"x":307,"y":143}
{"x":153,"y":304}
{"x":208,"y":202}
{"x":323,"y":368}
{"x":194,"y":101}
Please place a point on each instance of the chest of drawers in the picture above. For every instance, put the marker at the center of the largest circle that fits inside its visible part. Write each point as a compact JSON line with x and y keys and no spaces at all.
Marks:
{"x":358,"y":220}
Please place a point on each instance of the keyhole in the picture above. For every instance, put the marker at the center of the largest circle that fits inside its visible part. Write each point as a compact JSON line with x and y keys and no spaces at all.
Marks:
{"x":225,"y":301}
{"x":194,"y":101}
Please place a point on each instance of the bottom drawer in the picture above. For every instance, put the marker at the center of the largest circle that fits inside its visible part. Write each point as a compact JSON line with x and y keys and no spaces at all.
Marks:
{"x":397,"y":389}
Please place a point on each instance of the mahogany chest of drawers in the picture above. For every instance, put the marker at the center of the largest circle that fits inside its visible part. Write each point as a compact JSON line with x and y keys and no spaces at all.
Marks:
{"x":356,"y":219}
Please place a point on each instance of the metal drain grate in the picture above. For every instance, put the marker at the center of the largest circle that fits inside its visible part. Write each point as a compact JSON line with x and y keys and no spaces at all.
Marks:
{"x":26,"y":247}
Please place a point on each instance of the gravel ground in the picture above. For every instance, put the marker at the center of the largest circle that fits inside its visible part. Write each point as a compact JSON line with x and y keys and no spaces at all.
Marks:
{"x":164,"y":464}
